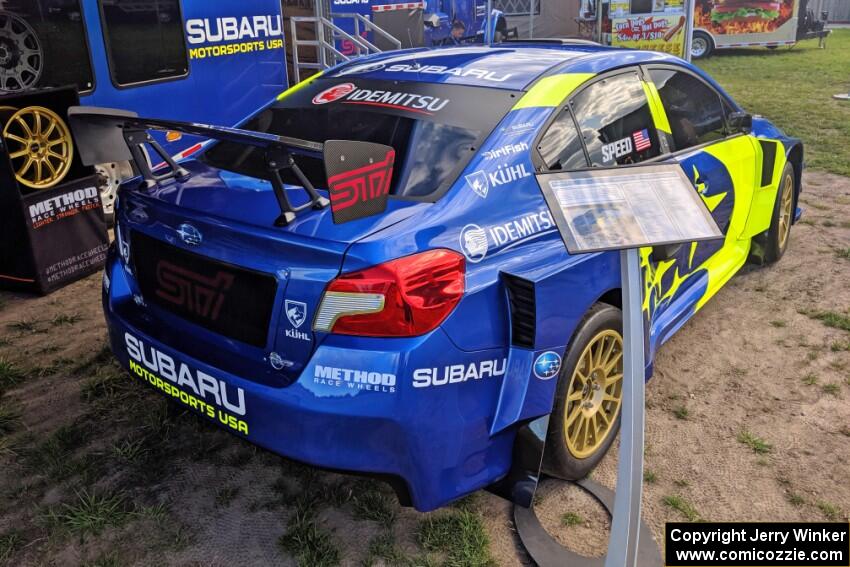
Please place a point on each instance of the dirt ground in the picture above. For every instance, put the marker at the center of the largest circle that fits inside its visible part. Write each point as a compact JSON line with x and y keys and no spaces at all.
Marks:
{"x":748,"y":419}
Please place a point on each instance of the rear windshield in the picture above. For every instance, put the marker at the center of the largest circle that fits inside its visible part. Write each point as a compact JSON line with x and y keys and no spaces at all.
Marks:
{"x":434,"y":129}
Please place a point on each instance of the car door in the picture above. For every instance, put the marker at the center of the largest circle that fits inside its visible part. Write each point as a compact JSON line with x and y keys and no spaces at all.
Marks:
{"x":609,"y":122}
{"x":721,"y":165}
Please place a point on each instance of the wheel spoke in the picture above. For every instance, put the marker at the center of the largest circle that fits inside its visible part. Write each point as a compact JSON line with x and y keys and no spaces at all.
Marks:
{"x":37,"y":171}
{"x":613,"y":379}
{"x":582,"y":377}
{"x":55,"y":142}
{"x":575,"y":396}
{"x":600,"y":347}
{"x":26,"y":167}
{"x":589,"y":433}
{"x":603,"y":418}
{"x":573,"y":415}
{"x":37,"y":122}
{"x":51,"y":166}
{"x":50,"y":129}
{"x":25,"y":126}
{"x":609,"y":398}
{"x":17,"y":139}
{"x":18,"y":154}
{"x":51,"y":153}
{"x":607,"y":356}
{"x":612,"y":363}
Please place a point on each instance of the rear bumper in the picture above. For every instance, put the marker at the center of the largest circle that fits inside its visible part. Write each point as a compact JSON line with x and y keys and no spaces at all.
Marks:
{"x":435,"y":439}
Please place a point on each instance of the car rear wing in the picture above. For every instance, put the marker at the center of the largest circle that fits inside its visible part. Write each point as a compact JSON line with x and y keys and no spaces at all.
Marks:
{"x":105,"y":135}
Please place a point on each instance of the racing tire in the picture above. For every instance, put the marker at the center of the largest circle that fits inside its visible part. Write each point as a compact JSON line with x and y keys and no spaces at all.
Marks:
{"x":779,"y":233}
{"x":701,"y":45}
{"x":585,"y":419}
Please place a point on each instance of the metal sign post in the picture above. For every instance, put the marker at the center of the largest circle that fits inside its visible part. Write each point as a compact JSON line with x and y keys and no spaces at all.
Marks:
{"x":690,"y":5}
{"x":623,"y":209}
{"x":622,"y":549}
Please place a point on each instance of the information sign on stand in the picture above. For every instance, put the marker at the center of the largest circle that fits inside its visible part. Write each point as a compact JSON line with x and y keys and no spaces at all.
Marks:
{"x":623,"y":209}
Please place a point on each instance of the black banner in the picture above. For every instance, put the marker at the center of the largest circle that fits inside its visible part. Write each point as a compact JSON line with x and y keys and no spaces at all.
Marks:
{"x":67,"y":232}
{"x":49,"y":237}
{"x":745,"y":544}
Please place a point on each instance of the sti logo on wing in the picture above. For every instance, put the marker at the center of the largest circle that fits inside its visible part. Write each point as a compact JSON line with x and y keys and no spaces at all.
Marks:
{"x":361,"y":191}
{"x":197,"y":294}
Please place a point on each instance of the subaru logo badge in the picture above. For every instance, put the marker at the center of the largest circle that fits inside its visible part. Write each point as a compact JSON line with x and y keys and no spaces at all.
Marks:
{"x":189,"y":234}
{"x":547,"y":365}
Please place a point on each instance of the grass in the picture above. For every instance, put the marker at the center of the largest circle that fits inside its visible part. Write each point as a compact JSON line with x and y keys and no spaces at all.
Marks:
{"x":649,"y":477}
{"x":571,"y":519}
{"x":384,"y":546}
{"x":810,"y":379}
{"x":129,"y":451}
{"x":838,"y":346}
{"x":10,"y":374}
{"x":682,"y":506}
{"x":759,"y":80}
{"x":370,"y":504}
{"x":843,"y":254}
{"x":9,"y":418}
{"x":460,"y":535}
{"x":795,"y":499}
{"x":64,"y":319}
{"x":833,"y":388}
{"x":225,"y":496}
{"x":24,"y":326}
{"x":831,"y":511}
{"x":9,"y":543}
{"x":309,"y":543}
{"x":54,"y":456}
{"x":757,"y":444}
{"x":681,"y":412}
{"x":90,"y":513}
{"x":778,"y":323}
{"x":831,"y":319}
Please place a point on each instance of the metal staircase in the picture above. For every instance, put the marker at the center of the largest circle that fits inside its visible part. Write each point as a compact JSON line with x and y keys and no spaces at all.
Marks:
{"x":327,"y":33}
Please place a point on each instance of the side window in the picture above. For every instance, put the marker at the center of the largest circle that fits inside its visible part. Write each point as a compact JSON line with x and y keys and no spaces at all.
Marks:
{"x":694,"y":109}
{"x":144,"y":40}
{"x":561,"y":147}
{"x":615,"y":121}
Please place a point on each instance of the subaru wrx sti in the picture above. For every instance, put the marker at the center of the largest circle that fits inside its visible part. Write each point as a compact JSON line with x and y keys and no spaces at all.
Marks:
{"x":365,"y":276}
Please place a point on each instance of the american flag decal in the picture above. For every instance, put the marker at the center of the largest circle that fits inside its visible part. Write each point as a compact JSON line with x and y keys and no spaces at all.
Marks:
{"x":642,"y":140}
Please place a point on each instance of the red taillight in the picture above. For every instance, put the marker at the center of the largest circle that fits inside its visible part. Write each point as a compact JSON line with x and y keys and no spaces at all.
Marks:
{"x":401,"y":298}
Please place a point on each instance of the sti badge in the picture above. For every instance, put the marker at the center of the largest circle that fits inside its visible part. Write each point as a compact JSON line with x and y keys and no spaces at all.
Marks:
{"x":359,"y":176}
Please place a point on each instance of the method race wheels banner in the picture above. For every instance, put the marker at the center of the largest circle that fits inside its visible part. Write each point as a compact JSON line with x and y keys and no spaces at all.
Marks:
{"x":52,"y":230}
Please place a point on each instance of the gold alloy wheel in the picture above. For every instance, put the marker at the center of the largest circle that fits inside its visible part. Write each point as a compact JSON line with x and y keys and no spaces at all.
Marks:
{"x":786,"y":210}
{"x":595,"y":394}
{"x":40,"y":147}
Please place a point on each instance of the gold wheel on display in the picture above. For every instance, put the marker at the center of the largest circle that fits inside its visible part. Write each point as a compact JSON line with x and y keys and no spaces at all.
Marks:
{"x":786,"y":210}
{"x":595,"y":394}
{"x":39,"y":145}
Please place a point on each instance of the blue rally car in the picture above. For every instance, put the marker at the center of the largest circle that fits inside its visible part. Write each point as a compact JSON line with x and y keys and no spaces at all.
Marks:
{"x":365,"y":276}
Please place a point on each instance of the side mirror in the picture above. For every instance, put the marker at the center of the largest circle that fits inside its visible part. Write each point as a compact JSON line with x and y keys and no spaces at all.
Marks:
{"x":664,"y":252}
{"x":740,"y":121}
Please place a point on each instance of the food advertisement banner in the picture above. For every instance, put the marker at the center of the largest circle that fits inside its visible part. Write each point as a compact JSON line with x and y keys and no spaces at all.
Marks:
{"x":731,"y":17}
{"x":654,"y":32}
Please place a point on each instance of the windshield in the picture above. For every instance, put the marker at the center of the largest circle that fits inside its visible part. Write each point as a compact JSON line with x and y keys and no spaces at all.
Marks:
{"x":431,"y":135}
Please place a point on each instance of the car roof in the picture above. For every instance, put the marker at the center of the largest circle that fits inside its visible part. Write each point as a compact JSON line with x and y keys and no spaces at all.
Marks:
{"x":512,"y":65}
